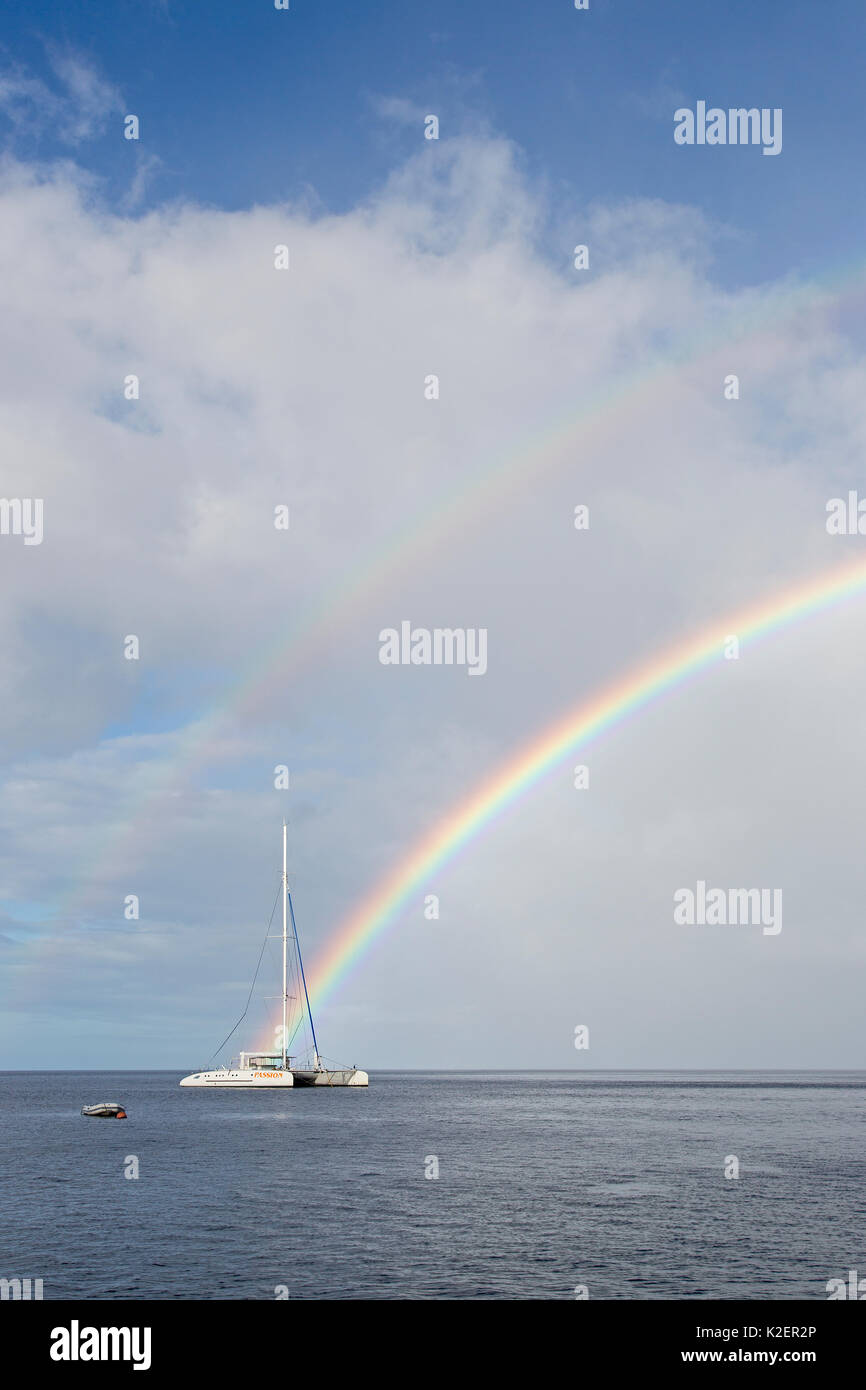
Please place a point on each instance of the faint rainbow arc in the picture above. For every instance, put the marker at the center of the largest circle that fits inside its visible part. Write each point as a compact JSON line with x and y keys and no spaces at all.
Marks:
{"x":360,"y":930}
{"x":494,"y":479}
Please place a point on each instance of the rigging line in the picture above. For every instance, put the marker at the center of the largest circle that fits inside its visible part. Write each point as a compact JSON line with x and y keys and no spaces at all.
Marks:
{"x":296,"y":987}
{"x":253,"y":985}
{"x":297,"y":1026}
{"x":303,"y":976}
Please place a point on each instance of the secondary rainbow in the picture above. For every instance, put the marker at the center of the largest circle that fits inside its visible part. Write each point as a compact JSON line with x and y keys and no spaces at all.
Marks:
{"x":359,"y":932}
{"x":493,"y":479}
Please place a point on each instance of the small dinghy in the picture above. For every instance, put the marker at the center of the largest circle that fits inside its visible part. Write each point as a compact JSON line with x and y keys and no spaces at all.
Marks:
{"x":106,"y":1110}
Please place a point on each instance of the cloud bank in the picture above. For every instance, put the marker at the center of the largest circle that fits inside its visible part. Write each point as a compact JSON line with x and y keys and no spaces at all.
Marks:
{"x":306,"y":387}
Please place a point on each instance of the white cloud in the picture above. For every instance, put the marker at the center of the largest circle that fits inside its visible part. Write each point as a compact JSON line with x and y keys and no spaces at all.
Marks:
{"x":306,"y":386}
{"x":399,"y":109}
{"x":75,"y":111}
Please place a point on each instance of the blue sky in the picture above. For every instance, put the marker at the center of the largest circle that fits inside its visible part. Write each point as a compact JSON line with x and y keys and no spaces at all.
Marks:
{"x":243,"y":104}
{"x":409,"y":257}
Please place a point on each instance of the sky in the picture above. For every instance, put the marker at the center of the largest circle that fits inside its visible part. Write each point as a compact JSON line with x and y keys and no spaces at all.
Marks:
{"x":259,"y":387}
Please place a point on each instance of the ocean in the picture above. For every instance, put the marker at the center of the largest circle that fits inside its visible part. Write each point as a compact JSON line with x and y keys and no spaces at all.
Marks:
{"x":459,"y":1185}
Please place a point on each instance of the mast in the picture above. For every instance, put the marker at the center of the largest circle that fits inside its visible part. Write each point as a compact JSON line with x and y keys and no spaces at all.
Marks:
{"x":285,"y":944}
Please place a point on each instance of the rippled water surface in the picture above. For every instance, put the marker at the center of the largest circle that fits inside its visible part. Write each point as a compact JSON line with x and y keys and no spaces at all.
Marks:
{"x":546,"y":1181}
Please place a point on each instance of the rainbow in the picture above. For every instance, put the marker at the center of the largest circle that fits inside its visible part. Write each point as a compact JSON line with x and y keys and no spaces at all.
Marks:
{"x":491,"y":483}
{"x":577,"y":728}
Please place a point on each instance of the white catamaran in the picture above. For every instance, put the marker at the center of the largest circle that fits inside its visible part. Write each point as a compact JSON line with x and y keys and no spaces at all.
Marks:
{"x":274,"y":1070}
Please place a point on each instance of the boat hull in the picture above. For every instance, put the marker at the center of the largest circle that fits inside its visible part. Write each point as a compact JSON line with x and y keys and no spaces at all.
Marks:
{"x":348,"y":1076}
{"x":241,"y":1078}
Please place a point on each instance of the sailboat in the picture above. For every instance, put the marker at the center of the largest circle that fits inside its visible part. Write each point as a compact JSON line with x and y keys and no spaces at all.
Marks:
{"x":275,"y":1070}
